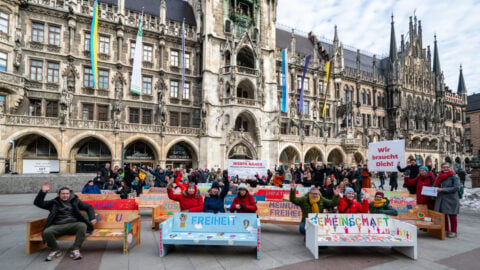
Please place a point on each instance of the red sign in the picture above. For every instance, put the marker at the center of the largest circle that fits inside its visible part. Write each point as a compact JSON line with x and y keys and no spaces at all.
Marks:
{"x":126,"y":204}
{"x":272,"y":194}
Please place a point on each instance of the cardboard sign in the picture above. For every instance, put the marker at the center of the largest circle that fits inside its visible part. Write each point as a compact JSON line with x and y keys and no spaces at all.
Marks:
{"x":221,"y":222}
{"x":273,"y":194}
{"x":229,"y":200}
{"x":384,"y":155}
{"x":247,"y":168}
{"x":96,"y":197}
{"x":282,"y":211}
{"x":127,"y":204}
{"x":351,"y":223}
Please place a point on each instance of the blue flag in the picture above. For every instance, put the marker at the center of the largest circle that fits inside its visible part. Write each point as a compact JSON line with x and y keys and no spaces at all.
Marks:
{"x":300,"y":102}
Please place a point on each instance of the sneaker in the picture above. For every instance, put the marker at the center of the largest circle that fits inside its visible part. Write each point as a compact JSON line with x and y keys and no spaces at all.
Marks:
{"x":53,"y":255}
{"x":75,"y":254}
{"x":451,"y":235}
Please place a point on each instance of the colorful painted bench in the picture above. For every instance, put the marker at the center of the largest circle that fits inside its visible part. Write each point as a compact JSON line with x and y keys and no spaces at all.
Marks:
{"x":151,"y":200}
{"x":424,"y":218}
{"x":96,"y":197}
{"x":285,"y":213}
{"x":163,"y":212}
{"x":372,"y":230}
{"x":112,"y":225}
{"x":222,"y":229}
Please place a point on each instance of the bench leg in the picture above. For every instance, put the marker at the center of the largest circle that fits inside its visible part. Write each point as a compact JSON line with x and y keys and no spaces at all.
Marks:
{"x":164,"y":249}
{"x":410,"y":252}
{"x":259,"y":246}
{"x":438,"y":233}
{"x":34,"y":246}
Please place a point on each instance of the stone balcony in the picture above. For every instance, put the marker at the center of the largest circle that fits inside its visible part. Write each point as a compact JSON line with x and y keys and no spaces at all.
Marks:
{"x":78,"y":124}
{"x":239,"y":70}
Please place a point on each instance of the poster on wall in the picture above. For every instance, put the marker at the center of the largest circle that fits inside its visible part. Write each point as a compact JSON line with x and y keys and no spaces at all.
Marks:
{"x":39,"y":166}
{"x":247,"y":168}
{"x":384,"y":155}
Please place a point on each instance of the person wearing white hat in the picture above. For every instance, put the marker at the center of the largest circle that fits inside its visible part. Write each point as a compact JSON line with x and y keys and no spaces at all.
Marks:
{"x":244,"y":202}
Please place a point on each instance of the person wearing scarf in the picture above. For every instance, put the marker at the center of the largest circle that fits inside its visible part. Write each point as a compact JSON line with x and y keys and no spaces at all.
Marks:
{"x":348,"y":205}
{"x":313,"y":202}
{"x":381,"y":205}
{"x":448,"y":200}
{"x":424,"y":179}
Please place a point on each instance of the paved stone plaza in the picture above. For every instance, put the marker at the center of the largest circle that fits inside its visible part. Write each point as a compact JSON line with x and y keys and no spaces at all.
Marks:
{"x":282,"y":247}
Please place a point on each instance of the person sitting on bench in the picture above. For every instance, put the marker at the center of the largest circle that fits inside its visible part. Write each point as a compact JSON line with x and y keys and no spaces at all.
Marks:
{"x":190,"y":199}
{"x":381,"y":205}
{"x":348,"y":205}
{"x":214,"y":200}
{"x":244,"y":202}
{"x":65,"y":218}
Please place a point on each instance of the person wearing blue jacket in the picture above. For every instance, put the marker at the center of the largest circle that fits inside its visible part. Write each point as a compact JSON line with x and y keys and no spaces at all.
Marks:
{"x":214,"y":200}
{"x":159,"y":175}
{"x":91,"y":188}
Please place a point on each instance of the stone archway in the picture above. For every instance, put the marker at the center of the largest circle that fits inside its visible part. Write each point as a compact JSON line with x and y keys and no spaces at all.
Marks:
{"x":181,"y":155}
{"x":242,"y":150}
{"x":89,"y":155}
{"x":34,"y":153}
{"x":335,"y":157}
{"x":358,"y":159}
{"x":448,"y":160}
{"x":140,"y":153}
{"x":313,"y":155}
{"x":289,"y":156}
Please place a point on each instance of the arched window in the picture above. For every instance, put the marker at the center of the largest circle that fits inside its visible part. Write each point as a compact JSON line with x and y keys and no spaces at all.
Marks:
{"x":245,"y":58}
{"x":40,"y":148}
{"x":369,"y":100}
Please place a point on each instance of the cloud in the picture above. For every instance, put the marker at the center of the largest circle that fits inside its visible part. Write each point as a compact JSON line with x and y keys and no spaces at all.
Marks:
{"x":365,"y":24}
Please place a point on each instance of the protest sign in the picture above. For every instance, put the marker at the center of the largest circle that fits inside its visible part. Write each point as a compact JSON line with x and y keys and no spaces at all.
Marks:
{"x":384,"y":155}
{"x":247,"y":168}
{"x":273,"y":194}
{"x":279,"y":211}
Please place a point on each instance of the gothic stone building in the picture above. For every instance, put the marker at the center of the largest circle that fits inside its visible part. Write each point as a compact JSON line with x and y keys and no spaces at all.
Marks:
{"x":229,"y":107}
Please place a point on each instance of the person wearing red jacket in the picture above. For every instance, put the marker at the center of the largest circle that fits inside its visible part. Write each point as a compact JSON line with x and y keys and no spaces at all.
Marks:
{"x":190,"y":199}
{"x":179,"y":181}
{"x":424,"y":179}
{"x":244,"y":202}
{"x":348,"y":205}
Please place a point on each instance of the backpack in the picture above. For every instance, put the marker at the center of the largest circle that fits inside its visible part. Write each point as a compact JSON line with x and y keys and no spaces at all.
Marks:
{"x":461,"y":191}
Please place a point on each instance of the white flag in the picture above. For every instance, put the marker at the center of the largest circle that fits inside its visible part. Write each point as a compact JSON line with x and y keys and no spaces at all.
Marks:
{"x":136,"y":84}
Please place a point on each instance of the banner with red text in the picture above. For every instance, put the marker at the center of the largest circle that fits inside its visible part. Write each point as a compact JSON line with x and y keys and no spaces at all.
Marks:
{"x":247,"y":168}
{"x":384,"y":155}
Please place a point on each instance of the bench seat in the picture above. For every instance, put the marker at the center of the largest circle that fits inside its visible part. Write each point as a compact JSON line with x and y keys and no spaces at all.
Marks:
{"x":343,"y":238}
{"x":222,"y":239}
{"x":96,"y":235}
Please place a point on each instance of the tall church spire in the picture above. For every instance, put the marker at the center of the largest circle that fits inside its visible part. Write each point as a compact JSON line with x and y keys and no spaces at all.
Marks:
{"x":461,"y":89}
{"x":436,"y":60}
{"x":393,"y":44}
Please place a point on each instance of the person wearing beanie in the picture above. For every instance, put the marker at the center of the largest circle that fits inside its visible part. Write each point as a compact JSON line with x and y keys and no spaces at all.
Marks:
{"x":381,"y":205}
{"x":312,"y":203}
{"x":348,"y":205}
{"x":190,"y":199}
{"x":215,"y":199}
{"x":244,"y":202}
{"x":425,"y":178}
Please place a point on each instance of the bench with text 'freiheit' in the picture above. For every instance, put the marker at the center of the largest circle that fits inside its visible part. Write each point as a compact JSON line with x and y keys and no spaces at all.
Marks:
{"x":112,"y":225}
{"x":369,"y":230}
{"x":222,"y":229}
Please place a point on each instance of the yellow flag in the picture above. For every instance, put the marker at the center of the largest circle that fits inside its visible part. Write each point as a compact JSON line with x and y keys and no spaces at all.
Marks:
{"x":327,"y":80}
{"x":142,"y":175}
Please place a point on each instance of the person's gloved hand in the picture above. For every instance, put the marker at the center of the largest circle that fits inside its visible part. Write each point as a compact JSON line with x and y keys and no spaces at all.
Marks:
{"x":242,"y":206}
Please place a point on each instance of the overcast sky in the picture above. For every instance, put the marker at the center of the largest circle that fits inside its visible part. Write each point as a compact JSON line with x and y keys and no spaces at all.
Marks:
{"x":365,"y":24}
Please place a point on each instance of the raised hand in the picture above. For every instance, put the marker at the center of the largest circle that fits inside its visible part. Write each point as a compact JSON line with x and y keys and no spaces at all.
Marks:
{"x":336,"y":191}
{"x":46,"y":187}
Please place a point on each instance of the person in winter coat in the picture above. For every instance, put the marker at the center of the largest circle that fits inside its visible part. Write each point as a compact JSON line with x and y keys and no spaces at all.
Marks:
{"x":64,"y":218}
{"x":312,"y":203}
{"x":393,"y":181}
{"x":123,"y":190}
{"x":110,"y":185}
{"x":318,"y":174}
{"x":448,"y":200}
{"x":91,"y":188}
{"x":99,"y":180}
{"x":411,"y":171}
{"x":180,"y":181}
{"x":424,"y":179}
{"x":190,"y":199}
{"x":214,"y":201}
{"x":366,"y":177}
{"x":244,"y":202}
{"x":327,"y":189}
{"x":348,"y":205}
{"x":381,"y":205}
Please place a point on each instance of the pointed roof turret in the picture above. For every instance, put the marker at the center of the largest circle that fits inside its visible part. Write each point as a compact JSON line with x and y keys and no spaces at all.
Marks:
{"x":461,"y":89}
{"x":436,"y":59}
{"x":335,"y":36}
{"x":393,"y":43}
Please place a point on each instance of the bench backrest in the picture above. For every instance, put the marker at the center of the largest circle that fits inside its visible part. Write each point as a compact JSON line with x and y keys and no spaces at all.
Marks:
{"x":126,"y":204}
{"x":167,"y":208}
{"x":214,"y":223}
{"x":155,"y":190}
{"x":95,"y":197}
{"x":352,"y":223}
{"x":421,"y":212}
{"x":402,"y":201}
{"x":114,"y":219}
{"x":284,"y":211}
{"x":152,"y":199}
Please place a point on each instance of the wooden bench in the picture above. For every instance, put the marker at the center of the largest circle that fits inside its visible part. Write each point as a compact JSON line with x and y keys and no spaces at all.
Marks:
{"x":371,"y":230}
{"x":151,"y":200}
{"x":222,"y":229}
{"x":285,"y":213}
{"x":112,"y":225}
{"x":424,"y":218}
{"x":163,"y":212}
{"x":96,"y":197}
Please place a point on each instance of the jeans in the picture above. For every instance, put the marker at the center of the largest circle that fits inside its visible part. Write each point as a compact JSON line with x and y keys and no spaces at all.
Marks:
{"x":382,"y":182}
{"x":51,"y":233}
{"x":301,"y":228}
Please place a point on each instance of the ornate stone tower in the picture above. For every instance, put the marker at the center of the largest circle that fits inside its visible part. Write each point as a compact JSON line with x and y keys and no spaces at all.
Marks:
{"x":239,"y":109}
